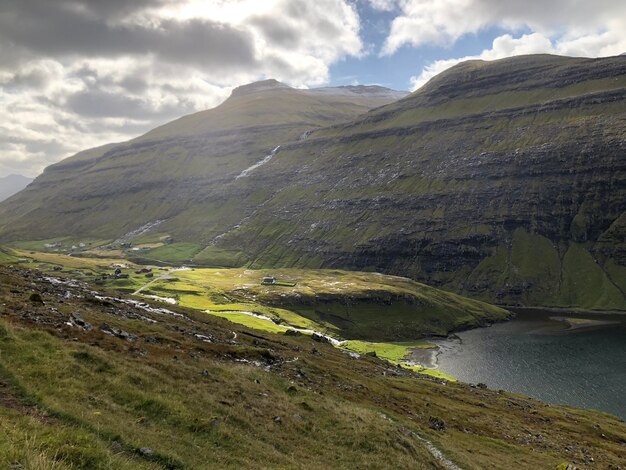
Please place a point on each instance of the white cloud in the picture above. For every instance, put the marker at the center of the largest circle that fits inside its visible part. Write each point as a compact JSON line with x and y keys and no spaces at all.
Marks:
{"x":503,"y":46}
{"x":383,"y":5}
{"x":80,"y":73}
{"x":443,"y":22}
{"x":566,"y":27}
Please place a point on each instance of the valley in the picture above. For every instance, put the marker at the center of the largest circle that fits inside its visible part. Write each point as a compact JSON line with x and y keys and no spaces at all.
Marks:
{"x":338,"y":277}
{"x":116,"y":377}
{"x":502,"y":181}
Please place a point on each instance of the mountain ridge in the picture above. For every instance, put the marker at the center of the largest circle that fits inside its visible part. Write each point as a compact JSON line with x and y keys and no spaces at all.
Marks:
{"x":488,"y":181}
{"x":12,"y":184}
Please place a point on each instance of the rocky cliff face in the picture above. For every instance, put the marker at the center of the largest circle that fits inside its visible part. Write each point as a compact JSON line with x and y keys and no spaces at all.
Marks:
{"x":503,"y":180}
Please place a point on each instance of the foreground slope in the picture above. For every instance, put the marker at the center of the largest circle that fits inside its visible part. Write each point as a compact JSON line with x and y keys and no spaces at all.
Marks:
{"x":90,"y":381}
{"x":177,"y":171}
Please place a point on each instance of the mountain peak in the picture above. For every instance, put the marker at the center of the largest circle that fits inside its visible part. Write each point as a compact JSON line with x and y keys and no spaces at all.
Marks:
{"x":255,"y":87}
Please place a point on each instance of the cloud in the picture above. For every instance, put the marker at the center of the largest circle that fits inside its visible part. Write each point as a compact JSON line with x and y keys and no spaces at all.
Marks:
{"x":80,"y":73}
{"x":503,"y":46}
{"x":565,"y":27}
{"x":443,"y":22}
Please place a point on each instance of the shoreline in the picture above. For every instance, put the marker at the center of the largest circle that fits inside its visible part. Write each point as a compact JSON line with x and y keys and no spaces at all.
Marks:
{"x":428,"y":358}
{"x":563,"y":310}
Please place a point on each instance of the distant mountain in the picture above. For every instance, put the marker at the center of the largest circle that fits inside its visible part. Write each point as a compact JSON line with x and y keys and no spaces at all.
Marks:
{"x":179,"y":170}
{"x":9,"y":185}
{"x":504,"y":181}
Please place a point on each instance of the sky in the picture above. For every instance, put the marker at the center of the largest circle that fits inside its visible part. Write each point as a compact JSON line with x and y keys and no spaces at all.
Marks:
{"x":75,"y":74}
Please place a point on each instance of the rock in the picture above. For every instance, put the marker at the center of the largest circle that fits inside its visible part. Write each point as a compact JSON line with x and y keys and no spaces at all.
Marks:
{"x":437,"y":424}
{"x":371,"y":354}
{"x":292,"y":333}
{"x":146,"y":451}
{"x":77,"y":320}
{"x":119,"y":333}
{"x":319,"y":338}
{"x":205,"y":373}
{"x":116,"y":446}
{"x":278,"y":419}
{"x":36,"y":298}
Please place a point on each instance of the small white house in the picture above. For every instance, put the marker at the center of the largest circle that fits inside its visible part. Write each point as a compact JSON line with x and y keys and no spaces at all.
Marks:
{"x":268,"y":280}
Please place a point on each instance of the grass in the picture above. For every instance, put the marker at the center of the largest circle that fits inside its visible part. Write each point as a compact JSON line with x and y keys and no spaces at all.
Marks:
{"x":73,"y":399}
{"x":173,"y":253}
{"x":73,"y":262}
{"x":394,"y":352}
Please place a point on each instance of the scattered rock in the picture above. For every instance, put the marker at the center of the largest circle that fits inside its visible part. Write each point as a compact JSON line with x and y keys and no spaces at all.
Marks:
{"x":319,"y":338}
{"x":371,"y":354}
{"x":437,"y":424}
{"x":112,"y":331}
{"x":278,"y":419}
{"x":77,"y":320}
{"x":205,"y":373}
{"x":293,"y":333}
{"x":146,"y":451}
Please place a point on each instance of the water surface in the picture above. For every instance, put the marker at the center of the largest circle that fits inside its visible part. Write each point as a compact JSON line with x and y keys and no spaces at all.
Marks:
{"x":542,"y":357}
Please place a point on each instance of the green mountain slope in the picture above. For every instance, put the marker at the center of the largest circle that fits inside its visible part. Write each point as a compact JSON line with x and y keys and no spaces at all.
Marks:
{"x":94,"y":382}
{"x":178,"y":168}
{"x":504,"y":181}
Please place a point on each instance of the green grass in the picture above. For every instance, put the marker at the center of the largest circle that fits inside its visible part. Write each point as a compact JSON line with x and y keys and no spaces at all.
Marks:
{"x":173,"y":253}
{"x":394,"y":352}
{"x":71,"y":399}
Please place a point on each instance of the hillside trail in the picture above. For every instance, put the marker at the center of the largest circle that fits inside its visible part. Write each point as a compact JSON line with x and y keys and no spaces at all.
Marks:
{"x":163,"y":277}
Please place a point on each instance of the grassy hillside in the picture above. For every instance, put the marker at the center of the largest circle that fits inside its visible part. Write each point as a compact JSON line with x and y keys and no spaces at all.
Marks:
{"x":128,"y":387}
{"x":341,"y":304}
{"x":176,"y":173}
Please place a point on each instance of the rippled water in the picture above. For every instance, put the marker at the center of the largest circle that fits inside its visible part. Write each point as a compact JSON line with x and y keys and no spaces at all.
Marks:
{"x":540,"y":357}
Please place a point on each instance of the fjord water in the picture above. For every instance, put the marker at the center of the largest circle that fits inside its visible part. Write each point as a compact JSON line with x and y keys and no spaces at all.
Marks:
{"x":538,"y":356}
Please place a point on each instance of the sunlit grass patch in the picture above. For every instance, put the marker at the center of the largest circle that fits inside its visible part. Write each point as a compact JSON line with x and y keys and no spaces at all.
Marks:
{"x":393,"y":352}
{"x":250,"y":321}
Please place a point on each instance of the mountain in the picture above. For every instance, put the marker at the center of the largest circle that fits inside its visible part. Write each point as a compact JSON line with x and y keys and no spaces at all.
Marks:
{"x":504,"y":181}
{"x":9,"y":185}
{"x":175,"y":170}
